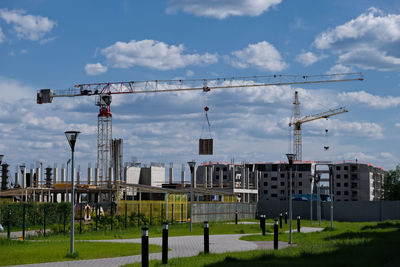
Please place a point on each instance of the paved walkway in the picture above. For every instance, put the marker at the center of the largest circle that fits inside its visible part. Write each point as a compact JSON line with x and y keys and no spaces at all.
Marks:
{"x":181,"y":246}
{"x":306,"y":229}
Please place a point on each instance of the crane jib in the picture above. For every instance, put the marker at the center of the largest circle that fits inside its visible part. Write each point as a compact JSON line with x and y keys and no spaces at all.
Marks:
{"x":160,"y":86}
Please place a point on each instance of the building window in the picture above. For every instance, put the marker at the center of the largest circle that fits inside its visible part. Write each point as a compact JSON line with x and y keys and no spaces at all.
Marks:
{"x":282,"y":175}
{"x":217,"y":169}
{"x":300,"y":191}
{"x":282,"y":192}
{"x":225,"y":169}
{"x":338,"y":184}
{"x":265,"y":183}
{"x":338,"y":168}
{"x":300,"y":184}
{"x":346,"y":168}
{"x":274,"y":186}
{"x":225,"y":177}
{"x":300,"y":175}
{"x":346,"y":193}
{"x":265,"y":175}
{"x":274,"y":178}
{"x":282,"y":183}
{"x":346,"y":176}
{"x":338,"y":193}
{"x":274,"y":195}
{"x":265,"y":192}
{"x":346,"y":184}
{"x":354,"y":176}
{"x":337,"y":176}
{"x":217,"y":176}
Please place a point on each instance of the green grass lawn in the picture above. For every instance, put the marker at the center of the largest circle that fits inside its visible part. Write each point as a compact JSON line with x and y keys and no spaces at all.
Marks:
{"x":23,"y":252}
{"x":348,"y":244}
{"x":156,"y":231}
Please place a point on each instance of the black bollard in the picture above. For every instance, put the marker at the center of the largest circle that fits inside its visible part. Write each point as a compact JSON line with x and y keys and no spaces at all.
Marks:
{"x":263,"y":224}
{"x":44,"y":220}
{"x":236,"y":217}
{"x":145,"y":246}
{"x":298,"y":224}
{"x":206,"y":238}
{"x":9,"y":225}
{"x":285,"y":217}
{"x":23,"y":221}
{"x":280,"y":220}
{"x":165,"y":243}
{"x":276,"y":234}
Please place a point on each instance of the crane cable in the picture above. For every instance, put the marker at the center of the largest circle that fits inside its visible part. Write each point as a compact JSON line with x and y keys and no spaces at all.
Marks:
{"x":206,"y":109}
{"x":326,"y":146}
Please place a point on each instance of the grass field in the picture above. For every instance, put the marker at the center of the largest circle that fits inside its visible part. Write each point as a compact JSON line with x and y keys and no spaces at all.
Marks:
{"x":349,"y":244}
{"x":156,"y":231}
{"x":23,"y":252}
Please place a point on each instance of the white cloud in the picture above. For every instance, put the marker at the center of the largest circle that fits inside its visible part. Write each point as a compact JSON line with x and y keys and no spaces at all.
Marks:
{"x":189,"y":73}
{"x":345,"y":128}
{"x":309,"y":58}
{"x":95,"y":69}
{"x":370,"y":100}
{"x":339,"y":68}
{"x":397,"y":124}
{"x":369,"y":41}
{"x":262,"y":56}
{"x":12,"y":90}
{"x":153,"y":54}
{"x":221,"y":9}
{"x":27,"y":26}
{"x":2,"y":36}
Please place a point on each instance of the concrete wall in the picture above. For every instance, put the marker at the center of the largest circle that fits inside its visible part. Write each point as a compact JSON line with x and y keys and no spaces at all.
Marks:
{"x":355,"y":211}
{"x":222,"y":211}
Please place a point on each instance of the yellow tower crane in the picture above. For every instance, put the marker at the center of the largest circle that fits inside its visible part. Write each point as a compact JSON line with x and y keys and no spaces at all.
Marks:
{"x":297,"y":123}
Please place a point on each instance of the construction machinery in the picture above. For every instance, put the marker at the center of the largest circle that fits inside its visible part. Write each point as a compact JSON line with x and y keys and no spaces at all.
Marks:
{"x":297,"y":123}
{"x":104,"y":92}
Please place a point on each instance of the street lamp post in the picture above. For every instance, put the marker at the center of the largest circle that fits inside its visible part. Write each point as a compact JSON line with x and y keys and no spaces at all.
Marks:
{"x":22,"y":168}
{"x":66,"y":182}
{"x":71,"y":137}
{"x":290,"y":158}
{"x":192,"y":164}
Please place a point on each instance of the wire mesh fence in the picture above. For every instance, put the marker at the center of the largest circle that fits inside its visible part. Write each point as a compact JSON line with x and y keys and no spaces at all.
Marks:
{"x":38,"y":218}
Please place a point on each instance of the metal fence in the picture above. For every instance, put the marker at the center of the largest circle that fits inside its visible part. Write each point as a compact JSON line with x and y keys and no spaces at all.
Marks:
{"x":354,"y":211}
{"x":223,"y":211}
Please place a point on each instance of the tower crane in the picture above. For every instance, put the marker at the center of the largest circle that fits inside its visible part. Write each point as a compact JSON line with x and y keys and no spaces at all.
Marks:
{"x":104,"y":92}
{"x":297,"y":123}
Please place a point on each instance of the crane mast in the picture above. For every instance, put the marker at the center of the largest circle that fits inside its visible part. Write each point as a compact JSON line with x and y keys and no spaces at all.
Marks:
{"x":297,"y":123}
{"x":104,"y":92}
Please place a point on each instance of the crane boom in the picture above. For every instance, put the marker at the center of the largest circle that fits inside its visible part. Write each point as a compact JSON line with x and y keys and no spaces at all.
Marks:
{"x":321,"y":115}
{"x":158,"y":86}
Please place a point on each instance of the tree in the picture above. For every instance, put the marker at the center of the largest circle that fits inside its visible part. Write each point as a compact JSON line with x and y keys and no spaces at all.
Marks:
{"x":391,"y":187}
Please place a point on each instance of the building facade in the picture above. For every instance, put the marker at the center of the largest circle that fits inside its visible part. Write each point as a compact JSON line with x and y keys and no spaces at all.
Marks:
{"x":351,"y":181}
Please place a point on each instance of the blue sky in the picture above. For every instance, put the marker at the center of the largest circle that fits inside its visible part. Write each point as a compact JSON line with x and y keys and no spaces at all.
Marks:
{"x":57,"y":44}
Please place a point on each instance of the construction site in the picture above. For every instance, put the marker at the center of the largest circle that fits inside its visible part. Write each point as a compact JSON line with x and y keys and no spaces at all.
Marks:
{"x":112,"y":179}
